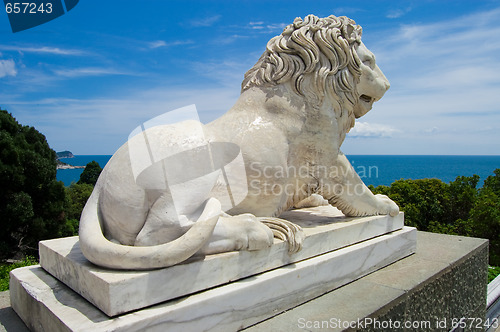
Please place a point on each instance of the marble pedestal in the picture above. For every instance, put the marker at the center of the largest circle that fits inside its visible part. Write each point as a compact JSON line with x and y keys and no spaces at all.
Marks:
{"x":444,"y":281}
{"x":117,"y":292}
{"x":45,"y":303}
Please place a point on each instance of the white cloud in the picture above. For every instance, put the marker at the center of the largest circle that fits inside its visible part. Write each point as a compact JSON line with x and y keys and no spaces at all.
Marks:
{"x":432,"y":130}
{"x":256,"y":25}
{"x":341,"y":11}
{"x":205,"y":22}
{"x":158,"y":43}
{"x":277,"y":26}
{"x":43,"y":50}
{"x":90,"y":71}
{"x":7,"y":68}
{"x":162,"y":43}
{"x":465,"y":40}
{"x":266,"y":28}
{"x":228,"y":39}
{"x":365,"y":129}
{"x":228,"y":73}
{"x":397,"y":13}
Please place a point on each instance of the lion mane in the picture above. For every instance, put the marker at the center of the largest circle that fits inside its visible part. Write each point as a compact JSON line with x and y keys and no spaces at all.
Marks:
{"x":322,"y":48}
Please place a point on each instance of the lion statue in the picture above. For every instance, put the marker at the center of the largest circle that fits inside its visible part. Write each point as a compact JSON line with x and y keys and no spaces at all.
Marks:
{"x":296,"y":106}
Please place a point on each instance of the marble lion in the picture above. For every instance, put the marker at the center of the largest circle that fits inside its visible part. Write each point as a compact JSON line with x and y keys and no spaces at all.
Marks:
{"x":297,"y":104}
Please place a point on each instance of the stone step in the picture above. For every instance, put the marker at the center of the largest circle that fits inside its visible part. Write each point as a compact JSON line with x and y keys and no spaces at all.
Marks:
{"x":116,"y":292}
{"x":46,"y":304}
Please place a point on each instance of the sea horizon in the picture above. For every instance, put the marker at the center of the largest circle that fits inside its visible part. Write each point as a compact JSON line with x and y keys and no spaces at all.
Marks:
{"x":354,"y":154}
{"x":373,"y":169}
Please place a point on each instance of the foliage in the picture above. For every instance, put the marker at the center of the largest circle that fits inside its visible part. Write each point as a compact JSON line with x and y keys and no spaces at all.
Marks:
{"x":493,"y":272}
{"x":457,"y":227}
{"x":432,"y":205}
{"x":77,"y":195}
{"x":457,"y":208}
{"x":6,"y":268}
{"x":485,"y":215}
{"x":35,"y":206}
{"x":91,"y":173}
{"x":32,"y":201}
{"x":492,"y":182}
{"x":463,"y":194}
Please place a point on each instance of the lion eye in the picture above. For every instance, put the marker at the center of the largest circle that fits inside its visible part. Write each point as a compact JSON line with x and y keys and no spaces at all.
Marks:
{"x":369,"y":62}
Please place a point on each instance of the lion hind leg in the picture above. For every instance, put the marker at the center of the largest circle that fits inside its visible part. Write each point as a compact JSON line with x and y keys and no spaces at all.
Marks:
{"x":163,"y":224}
{"x":286,"y":231}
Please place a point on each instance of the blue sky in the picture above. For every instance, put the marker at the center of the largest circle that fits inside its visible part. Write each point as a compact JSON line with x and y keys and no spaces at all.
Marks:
{"x":88,"y":78}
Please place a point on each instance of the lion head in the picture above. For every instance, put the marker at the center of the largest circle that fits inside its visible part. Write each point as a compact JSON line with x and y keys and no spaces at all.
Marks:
{"x":329,"y":52}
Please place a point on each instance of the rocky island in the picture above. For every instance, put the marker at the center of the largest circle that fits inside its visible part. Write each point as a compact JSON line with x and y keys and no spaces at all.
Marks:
{"x":65,"y":154}
{"x":61,"y":165}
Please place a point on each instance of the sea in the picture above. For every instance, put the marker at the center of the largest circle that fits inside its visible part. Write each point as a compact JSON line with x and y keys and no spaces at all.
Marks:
{"x":376,"y":170}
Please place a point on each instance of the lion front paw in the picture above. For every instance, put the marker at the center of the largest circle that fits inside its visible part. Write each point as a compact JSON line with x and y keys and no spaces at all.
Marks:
{"x":250,"y":233}
{"x":385,"y":205}
{"x":259,"y":235}
{"x":240,"y":232}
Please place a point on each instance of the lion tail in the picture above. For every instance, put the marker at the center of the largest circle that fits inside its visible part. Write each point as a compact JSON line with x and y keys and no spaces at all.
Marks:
{"x":100,"y":251}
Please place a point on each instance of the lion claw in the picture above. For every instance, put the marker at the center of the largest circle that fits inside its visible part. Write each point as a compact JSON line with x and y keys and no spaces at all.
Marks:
{"x":286,"y":231}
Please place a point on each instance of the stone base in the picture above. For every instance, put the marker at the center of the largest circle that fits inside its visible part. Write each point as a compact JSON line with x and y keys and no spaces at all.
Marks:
{"x":45,"y":304}
{"x":444,"y":281}
{"x":117,"y":292}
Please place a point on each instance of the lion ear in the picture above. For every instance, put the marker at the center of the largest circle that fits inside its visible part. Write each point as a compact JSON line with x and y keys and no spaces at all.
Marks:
{"x":349,"y":31}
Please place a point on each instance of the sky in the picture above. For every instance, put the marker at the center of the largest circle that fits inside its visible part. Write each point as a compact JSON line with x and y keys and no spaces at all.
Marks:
{"x":88,"y":78}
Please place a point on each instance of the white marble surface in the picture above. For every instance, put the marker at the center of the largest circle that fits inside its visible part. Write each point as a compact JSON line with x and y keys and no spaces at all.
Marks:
{"x":116,"y":292}
{"x":45,"y":304}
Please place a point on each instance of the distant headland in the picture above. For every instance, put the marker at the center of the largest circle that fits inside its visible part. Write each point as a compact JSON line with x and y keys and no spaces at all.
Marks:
{"x":65,"y":154}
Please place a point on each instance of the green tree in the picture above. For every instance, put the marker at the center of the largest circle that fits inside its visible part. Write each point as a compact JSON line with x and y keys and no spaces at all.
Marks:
{"x":32,"y":201}
{"x":423,"y":201}
{"x":77,"y":195}
{"x":492,"y":182}
{"x":485,"y":215}
{"x":462,"y":197}
{"x":463,"y":194}
{"x":91,"y":173}
{"x":457,"y":208}
{"x":456,"y":227}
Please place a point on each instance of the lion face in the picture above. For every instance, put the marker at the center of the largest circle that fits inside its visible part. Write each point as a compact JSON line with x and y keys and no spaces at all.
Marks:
{"x":372,"y":84}
{"x":325,"y":62}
